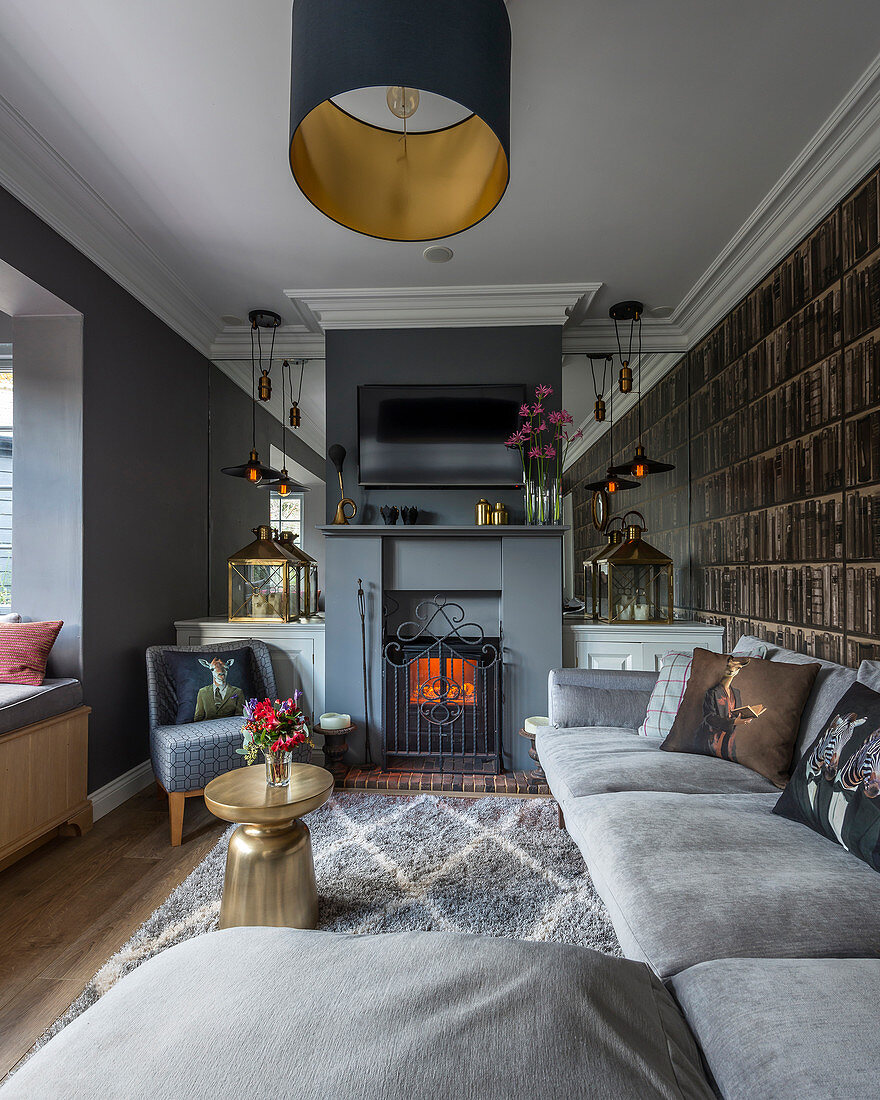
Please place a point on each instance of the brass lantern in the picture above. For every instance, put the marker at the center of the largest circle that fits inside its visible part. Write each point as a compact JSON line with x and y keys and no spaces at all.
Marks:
{"x":635,"y":581}
{"x":592,"y":586}
{"x":305,"y":576}
{"x":262,"y":586}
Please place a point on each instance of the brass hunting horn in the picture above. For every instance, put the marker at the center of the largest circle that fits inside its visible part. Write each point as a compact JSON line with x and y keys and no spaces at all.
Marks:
{"x":336,"y":453}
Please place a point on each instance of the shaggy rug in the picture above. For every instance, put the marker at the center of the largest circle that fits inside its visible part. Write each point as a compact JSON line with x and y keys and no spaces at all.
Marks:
{"x":494,"y":866}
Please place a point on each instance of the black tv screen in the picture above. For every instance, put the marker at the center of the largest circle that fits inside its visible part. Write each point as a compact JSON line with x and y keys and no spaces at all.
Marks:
{"x":438,"y":435}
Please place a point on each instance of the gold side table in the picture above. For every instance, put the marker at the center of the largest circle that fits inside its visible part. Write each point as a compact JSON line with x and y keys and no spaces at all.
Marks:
{"x":270,"y":873}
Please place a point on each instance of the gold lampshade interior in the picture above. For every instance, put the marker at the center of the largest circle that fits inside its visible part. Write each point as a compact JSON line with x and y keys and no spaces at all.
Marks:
{"x":425,"y":185}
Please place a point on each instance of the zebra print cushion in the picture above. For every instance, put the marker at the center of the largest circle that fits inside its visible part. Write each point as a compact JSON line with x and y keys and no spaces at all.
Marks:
{"x":835,"y":788}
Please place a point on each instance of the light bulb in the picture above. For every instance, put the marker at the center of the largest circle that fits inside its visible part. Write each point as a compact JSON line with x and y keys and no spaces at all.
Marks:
{"x":612,"y":485}
{"x":282,"y":488}
{"x":402,"y":102}
{"x":253,"y":473}
{"x":640,"y":469}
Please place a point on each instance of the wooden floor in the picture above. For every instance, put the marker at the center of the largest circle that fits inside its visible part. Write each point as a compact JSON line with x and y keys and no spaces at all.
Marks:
{"x":68,"y":906}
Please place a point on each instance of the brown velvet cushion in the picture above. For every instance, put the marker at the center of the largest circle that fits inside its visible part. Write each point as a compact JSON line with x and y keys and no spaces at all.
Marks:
{"x":753,"y":722}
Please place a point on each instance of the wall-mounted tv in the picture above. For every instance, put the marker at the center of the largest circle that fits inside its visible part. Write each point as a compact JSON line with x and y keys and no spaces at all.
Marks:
{"x":438,"y":435}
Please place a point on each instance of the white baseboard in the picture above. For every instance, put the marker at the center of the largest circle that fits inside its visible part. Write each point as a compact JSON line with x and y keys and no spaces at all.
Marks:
{"x":114,"y":793}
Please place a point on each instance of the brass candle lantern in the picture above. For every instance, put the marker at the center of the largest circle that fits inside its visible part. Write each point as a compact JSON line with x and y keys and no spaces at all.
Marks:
{"x":262,"y":585}
{"x":305,"y":576}
{"x":593,"y":602}
{"x":634,"y":582}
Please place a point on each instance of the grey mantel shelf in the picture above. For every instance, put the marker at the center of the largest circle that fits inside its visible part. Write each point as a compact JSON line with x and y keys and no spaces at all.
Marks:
{"x":427,"y":531}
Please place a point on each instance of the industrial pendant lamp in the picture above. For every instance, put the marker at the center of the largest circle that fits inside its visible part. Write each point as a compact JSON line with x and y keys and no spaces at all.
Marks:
{"x":294,"y":416}
{"x":612,"y":482}
{"x":632,"y":312}
{"x":253,"y":470}
{"x":599,"y":407}
{"x":284,"y":485}
{"x":641,"y":465}
{"x":366,"y":164}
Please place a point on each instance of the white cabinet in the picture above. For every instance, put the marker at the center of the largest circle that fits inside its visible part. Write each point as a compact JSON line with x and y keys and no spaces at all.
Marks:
{"x":296,"y":649}
{"x":625,"y":647}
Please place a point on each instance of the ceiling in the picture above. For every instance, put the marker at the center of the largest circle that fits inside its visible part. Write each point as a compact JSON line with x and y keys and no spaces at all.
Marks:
{"x":643,"y":136}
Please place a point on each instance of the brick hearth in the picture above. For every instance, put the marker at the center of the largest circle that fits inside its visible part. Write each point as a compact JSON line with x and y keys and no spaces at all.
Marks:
{"x":509,"y":784}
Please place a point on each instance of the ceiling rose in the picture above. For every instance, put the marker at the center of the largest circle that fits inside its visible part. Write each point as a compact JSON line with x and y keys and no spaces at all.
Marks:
{"x":393,"y":179}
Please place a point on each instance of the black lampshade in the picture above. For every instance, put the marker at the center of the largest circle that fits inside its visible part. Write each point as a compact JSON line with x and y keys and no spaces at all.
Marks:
{"x":253,"y":470}
{"x":641,"y":466}
{"x":435,"y":183}
{"x":284,"y":484}
{"x":612,"y":483}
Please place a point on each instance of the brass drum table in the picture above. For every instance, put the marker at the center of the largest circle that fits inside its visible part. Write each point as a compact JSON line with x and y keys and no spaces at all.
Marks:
{"x":270,"y":873}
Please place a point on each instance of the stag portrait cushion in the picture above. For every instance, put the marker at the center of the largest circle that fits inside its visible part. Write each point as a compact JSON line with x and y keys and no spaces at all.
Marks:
{"x":211,"y":685}
{"x":835,"y":788}
{"x":24,"y":650}
{"x":744,"y":709}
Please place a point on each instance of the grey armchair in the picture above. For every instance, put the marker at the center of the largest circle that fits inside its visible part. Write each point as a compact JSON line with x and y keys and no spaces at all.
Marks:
{"x":186,"y":758}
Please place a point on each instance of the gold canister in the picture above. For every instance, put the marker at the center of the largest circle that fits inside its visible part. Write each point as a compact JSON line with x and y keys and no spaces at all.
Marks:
{"x":500,"y":515}
{"x":483,"y":513}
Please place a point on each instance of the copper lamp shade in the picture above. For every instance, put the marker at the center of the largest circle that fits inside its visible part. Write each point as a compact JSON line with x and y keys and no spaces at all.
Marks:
{"x":434,"y":183}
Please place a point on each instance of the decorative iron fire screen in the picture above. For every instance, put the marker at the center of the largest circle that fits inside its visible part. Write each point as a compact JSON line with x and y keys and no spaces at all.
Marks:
{"x":441,"y":679}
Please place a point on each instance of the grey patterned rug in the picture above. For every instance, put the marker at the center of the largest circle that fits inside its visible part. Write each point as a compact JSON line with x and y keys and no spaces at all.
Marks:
{"x":494,"y":866}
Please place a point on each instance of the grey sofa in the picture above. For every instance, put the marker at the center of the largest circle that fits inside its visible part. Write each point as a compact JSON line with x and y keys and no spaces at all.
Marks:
{"x":701,"y":880}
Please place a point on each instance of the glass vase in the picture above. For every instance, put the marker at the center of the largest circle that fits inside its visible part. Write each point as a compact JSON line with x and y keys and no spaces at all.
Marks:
{"x":542,"y":498}
{"x":277,"y":767}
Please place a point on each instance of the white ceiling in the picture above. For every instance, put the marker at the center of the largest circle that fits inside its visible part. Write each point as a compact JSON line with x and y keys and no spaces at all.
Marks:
{"x":644,"y":135}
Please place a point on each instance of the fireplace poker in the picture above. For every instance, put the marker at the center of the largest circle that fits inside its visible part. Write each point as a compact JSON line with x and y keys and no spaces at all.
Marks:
{"x":362,"y":608}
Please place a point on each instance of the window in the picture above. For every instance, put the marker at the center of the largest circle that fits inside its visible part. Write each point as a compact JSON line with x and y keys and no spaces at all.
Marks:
{"x":5,"y":482}
{"x":285,"y":513}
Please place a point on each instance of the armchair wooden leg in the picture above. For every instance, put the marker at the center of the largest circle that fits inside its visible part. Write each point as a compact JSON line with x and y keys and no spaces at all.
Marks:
{"x":176,"y":804}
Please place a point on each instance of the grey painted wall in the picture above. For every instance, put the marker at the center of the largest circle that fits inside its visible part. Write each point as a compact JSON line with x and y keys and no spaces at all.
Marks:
{"x":236,"y":505}
{"x":145,"y":484}
{"x":529,"y":355}
{"x":47,"y":579}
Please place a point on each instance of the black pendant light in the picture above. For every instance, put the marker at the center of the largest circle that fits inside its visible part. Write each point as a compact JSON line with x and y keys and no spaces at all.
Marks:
{"x":284,"y":484}
{"x":386,"y":177}
{"x":632,"y":312}
{"x":253,"y":470}
{"x":612,"y":482}
{"x":641,"y":465}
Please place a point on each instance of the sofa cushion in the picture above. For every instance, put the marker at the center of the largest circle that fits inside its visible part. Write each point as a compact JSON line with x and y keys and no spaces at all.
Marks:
{"x":192,"y":676}
{"x":835,"y":788}
{"x":667,"y":695}
{"x":277,"y":1013}
{"x":21,"y":705}
{"x":600,"y":759}
{"x":744,"y":709}
{"x":831,"y":682}
{"x":24,"y":650}
{"x":187,"y":757}
{"x":721,"y":876}
{"x":785,"y":1027}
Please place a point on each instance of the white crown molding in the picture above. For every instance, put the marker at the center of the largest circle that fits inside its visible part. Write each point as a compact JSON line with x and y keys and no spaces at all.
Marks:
{"x":36,"y":174}
{"x":655,"y":369}
{"x":844,"y":149}
{"x":291,"y":342}
{"x":597,"y":336}
{"x":442,"y":307}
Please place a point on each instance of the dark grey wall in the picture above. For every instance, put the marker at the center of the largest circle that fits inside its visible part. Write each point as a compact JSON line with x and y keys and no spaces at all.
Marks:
{"x":145,"y":484}
{"x":236,"y":505}
{"x":530,"y":355}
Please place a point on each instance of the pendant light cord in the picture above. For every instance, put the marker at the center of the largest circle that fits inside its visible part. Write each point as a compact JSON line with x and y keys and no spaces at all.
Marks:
{"x":302,"y":367}
{"x":281,"y":421}
{"x":253,"y":394}
{"x":640,"y":381}
{"x":606,"y":359}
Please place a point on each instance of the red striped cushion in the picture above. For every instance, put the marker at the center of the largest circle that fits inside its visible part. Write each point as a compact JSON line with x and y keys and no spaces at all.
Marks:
{"x":24,"y":649}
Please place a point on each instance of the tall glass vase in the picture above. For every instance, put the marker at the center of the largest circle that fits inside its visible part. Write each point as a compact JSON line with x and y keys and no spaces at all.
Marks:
{"x":542,"y":498}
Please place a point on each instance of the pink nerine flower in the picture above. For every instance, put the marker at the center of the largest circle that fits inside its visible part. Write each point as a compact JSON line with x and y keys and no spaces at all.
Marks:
{"x":550,"y":451}
{"x":524,"y":410}
{"x":543,"y":391}
{"x":535,"y":452}
{"x":539,"y":408}
{"x":566,"y":416}
{"x":525,"y":430}
{"x":542,"y":427}
{"x":555,"y":417}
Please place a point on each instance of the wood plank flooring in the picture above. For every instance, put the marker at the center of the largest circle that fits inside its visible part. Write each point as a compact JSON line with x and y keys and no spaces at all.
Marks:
{"x":66,"y":907}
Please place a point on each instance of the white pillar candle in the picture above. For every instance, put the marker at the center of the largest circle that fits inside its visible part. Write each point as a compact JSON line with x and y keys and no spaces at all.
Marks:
{"x":532,"y":725}
{"x":333,"y":721}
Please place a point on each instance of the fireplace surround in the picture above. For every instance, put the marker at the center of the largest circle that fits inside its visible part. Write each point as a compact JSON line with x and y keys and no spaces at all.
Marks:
{"x":508,"y":579}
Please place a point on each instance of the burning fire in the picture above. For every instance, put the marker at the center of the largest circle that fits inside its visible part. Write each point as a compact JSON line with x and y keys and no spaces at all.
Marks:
{"x":446,"y":679}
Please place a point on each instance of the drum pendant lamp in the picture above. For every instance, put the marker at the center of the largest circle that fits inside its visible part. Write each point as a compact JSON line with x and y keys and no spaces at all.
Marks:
{"x":393,"y":181}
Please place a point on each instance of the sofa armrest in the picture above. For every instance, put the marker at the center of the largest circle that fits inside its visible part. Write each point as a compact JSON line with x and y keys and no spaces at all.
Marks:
{"x":599,"y":697}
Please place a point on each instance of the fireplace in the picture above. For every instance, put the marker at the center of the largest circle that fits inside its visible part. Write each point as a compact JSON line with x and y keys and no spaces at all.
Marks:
{"x":442,"y":693}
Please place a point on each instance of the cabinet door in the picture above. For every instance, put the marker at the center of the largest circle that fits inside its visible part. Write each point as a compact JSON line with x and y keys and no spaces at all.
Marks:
{"x":618,"y":656}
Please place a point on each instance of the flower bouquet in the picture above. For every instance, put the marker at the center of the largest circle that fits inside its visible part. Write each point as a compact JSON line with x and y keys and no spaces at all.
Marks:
{"x":275,"y":728}
{"x":543,"y":440}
